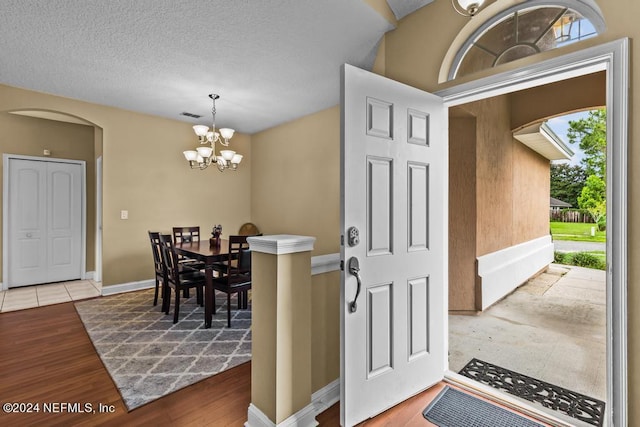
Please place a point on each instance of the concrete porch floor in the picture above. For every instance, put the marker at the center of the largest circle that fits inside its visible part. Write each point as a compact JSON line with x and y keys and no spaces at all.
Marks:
{"x":552,"y":328}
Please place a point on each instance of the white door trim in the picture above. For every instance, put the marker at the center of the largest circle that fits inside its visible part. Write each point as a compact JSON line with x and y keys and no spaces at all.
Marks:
{"x":614,"y":58}
{"x":98,"y":252}
{"x":5,"y":211}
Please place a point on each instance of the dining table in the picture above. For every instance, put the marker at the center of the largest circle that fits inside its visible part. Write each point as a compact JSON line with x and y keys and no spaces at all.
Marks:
{"x":209,"y":254}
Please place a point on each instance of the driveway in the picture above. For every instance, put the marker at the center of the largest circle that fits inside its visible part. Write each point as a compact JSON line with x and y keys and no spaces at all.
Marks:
{"x":568,"y":246}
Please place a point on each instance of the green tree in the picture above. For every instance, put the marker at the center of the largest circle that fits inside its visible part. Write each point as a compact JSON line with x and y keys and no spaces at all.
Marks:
{"x":591,"y":134}
{"x":567,"y":182}
{"x":593,"y":198}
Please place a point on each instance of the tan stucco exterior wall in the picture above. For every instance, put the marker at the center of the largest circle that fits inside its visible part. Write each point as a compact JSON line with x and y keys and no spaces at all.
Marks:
{"x":531,"y":183}
{"x":414,"y":54}
{"x":462,"y":212}
{"x":145,"y":173}
{"x":29,"y":136}
{"x":498,"y":193}
{"x":532,"y":105}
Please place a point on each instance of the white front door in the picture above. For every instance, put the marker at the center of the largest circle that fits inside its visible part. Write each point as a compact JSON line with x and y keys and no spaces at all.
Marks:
{"x":394,"y":221}
{"x":44,"y":221}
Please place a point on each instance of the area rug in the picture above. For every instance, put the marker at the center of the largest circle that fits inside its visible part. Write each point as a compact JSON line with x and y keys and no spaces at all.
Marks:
{"x":454,"y":408}
{"x":149,"y":357}
{"x":571,"y":403}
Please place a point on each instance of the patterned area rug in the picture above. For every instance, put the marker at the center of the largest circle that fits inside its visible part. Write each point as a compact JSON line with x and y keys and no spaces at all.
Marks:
{"x":148,"y":356}
{"x":571,"y":403}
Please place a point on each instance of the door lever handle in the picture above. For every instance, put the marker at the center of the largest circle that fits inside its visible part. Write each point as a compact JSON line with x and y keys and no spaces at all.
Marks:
{"x":354,"y":269}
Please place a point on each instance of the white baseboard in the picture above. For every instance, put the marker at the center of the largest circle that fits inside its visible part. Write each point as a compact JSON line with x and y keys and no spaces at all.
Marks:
{"x":320,"y":401}
{"x":89,"y":275}
{"x":502,"y":271}
{"x":128,"y":287}
{"x":326,"y":397}
{"x":306,"y":417}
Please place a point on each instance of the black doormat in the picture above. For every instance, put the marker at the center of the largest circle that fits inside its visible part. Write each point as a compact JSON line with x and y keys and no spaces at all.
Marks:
{"x":454,"y":408}
{"x":576,"y":405}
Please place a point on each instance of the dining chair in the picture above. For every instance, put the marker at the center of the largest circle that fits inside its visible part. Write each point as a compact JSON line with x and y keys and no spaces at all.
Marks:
{"x":186,"y":234}
{"x":236,"y":243}
{"x":156,"y":249}
{"x":179,"y":277}
{"x":236,"y":278}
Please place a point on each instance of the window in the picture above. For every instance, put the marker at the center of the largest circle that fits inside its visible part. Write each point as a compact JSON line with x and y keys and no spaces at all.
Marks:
{"x":518,"y":34}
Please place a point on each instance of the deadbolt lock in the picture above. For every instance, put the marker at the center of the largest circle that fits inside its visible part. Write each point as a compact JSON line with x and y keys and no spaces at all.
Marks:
{"x":353,"y":236}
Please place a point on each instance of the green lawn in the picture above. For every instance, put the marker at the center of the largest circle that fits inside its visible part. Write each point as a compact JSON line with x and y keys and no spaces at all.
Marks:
{"x":576,"y":231}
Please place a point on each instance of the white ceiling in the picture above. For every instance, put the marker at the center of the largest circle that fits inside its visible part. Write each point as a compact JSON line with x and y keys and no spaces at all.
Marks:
{"x":270,"y":60}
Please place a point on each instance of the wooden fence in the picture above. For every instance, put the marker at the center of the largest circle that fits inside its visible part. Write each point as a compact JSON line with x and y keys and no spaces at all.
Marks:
{"x":569,"y":215}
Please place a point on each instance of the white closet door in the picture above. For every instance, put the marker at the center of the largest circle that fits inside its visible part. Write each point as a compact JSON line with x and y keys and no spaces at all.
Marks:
{"x":45,"y":222}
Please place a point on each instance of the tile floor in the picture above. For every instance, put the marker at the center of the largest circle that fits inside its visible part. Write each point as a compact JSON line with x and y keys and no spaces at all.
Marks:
{"x":47,"y":294}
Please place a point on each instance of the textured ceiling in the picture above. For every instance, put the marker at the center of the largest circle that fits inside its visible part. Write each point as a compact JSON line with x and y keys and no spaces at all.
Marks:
{"x":271,"y":61}
{"x":402,"y":8}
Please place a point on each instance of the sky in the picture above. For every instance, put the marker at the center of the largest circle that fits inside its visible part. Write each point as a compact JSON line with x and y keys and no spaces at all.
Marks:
{"x":560,"y":125}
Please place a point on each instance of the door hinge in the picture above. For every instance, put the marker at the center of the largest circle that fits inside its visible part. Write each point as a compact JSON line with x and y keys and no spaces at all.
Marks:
{"x":342,"y":240}
{"x":342,"y":264}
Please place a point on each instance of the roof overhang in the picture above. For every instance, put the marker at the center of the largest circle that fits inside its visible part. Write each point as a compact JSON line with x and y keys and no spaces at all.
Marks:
{"x":541,"y":139}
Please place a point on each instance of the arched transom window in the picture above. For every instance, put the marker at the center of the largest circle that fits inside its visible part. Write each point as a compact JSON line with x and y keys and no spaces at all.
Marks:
{"x":520,"y":33}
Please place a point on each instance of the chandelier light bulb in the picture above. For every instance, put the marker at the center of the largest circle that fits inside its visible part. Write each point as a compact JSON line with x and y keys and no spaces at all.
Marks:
{"x":205,"y":152}
{"x":191,"y":155}
{"x":201,"y":130}
{"x":227,"y":133}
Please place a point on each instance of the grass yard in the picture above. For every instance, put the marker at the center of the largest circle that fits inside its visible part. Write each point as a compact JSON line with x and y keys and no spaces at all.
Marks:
{"x":576,"y":231}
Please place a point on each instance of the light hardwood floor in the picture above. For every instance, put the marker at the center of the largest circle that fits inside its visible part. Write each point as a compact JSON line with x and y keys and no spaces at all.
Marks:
{"x":48,"y":358}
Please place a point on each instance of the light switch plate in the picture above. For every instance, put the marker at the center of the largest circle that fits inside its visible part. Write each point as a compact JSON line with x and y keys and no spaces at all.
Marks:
{"x":124,"y":214}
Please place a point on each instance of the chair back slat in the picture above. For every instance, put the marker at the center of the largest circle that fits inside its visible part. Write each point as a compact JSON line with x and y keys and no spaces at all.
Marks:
{"x":186,"y":234}
{"x":236,"y":245}
{"x":244,"y":261}
{"x":156,"y":249}
{"x":170,"y":258}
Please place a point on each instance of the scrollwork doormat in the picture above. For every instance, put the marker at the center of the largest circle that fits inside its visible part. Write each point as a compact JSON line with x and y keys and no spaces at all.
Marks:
{"x":575,"y":405}
{"x":148,"y":356}
{"x":454,"y":408}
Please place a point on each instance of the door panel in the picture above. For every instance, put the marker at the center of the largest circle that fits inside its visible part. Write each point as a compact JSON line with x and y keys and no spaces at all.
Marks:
{"x":64,"y":221}
{"x":27,"y":222}
{"x":45,"y":222}
{"x":394,"y":192}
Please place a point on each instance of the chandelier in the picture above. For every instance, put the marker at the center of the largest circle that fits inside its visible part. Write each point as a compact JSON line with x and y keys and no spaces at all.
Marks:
{"x":467,"y":7}
{"x":203,"y":156}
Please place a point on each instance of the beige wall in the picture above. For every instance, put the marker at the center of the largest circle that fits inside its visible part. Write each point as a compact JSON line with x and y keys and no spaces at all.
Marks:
{"x":29,"y":136}
{"x":414,"y":53}
{"x":145,"y":173}
{"x":295,"y":189}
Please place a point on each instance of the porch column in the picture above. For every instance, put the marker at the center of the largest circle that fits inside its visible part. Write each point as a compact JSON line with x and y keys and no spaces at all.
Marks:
{"x":281,"y":331}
